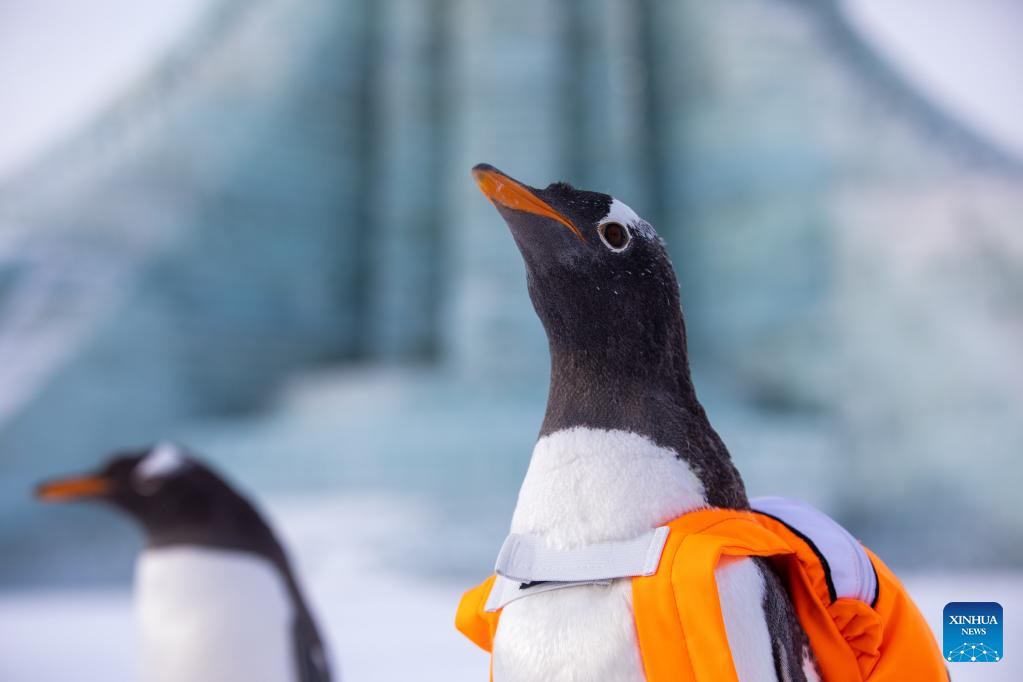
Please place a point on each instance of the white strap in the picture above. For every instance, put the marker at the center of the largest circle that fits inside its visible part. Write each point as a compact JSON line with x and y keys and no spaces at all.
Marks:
{"x":851,"y":572}
{"x":527,"y":558}
{"x":527,"y":566}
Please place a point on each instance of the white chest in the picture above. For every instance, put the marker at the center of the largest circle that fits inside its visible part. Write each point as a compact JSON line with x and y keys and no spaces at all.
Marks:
{"x":578,"y":633}
{"x":586,"y":486}
{"x":212,"y":616}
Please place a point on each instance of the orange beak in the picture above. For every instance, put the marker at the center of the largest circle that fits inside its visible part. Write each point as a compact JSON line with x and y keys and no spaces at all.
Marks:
{"x":73,"y":488}
{"x":501,"y":189}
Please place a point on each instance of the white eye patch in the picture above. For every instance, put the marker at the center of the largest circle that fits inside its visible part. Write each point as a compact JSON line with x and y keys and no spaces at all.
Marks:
{"x":165,"y":460}
{"x":621,"y":213}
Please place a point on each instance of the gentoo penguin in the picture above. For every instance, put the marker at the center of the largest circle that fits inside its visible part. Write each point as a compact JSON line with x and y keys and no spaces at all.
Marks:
{"x":215,"y":595}
{"x":625,"y":445}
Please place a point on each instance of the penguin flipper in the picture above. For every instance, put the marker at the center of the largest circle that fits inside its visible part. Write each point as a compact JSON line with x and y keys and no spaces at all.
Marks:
{"x":793,"y":658}
{"x":310,"y":656}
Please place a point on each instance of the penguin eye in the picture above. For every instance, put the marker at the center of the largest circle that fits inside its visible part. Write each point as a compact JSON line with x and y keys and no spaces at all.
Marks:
{"x":614,"y":235}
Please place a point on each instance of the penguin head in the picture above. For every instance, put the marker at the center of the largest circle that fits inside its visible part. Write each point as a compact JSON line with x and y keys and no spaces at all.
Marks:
{"x":604,"y":288}
{"x":599,"y":276}
{"x":164,"y":488}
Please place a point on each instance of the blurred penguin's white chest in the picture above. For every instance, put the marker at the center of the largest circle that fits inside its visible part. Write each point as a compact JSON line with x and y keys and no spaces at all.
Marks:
{"x":208,"y":615}
{"x":586,"y":486}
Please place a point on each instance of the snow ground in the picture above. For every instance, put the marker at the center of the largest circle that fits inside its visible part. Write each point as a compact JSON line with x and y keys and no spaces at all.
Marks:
{"x":383,"y":620}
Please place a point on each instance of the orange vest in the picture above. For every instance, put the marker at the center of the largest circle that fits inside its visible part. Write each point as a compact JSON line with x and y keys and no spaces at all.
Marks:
{"x":681,"y":631}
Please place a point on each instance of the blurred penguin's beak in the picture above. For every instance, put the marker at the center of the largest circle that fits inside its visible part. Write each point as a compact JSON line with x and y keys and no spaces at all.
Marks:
{"x":501,"y":189}
{"x":73,"y":488}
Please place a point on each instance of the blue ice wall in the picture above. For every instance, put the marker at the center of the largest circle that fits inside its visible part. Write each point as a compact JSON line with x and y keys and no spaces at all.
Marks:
{"x":287,"y":196}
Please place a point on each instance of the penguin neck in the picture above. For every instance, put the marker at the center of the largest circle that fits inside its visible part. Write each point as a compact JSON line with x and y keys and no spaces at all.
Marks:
{"x":619,"y":387}
{"x":647,"y":393}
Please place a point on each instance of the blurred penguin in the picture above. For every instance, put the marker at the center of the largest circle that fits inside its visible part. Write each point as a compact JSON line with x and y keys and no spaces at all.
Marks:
{"x":215,"y":594}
